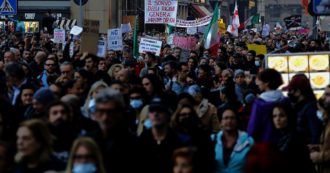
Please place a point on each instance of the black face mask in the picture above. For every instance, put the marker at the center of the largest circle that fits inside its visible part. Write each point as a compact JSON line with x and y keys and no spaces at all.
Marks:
{"x":292,"y":97}
{"x":188,"y":123}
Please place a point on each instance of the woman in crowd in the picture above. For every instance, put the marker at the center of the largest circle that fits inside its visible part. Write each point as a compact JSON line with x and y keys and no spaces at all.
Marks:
{"x":320,"y":154}
{"x":231,"y":145}
{"x":188,"y":127}
{"x":291,"y":143}
{"x":260,"y":125}
{"x":25,"y":98}
{"x":85,"y":157}
{"x":34,"y":151}
{"x":90,"y":102}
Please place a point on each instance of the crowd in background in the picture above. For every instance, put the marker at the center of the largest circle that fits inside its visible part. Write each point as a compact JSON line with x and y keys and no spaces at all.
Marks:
{"x":208,"y":113}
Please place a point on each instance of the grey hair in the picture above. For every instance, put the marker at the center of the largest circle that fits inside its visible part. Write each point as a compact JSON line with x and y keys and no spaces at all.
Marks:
{"x":109,"y":94}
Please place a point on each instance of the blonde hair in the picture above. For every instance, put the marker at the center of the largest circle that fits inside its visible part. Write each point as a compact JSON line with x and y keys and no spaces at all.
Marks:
{"x":42,"y":135}
{"x":94,"y":87}
{"x":94,"y":150}
{"x":112,"y":69}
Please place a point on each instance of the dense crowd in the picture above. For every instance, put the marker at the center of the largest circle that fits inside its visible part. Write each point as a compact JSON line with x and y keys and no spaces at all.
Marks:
{"x":159,"y":114}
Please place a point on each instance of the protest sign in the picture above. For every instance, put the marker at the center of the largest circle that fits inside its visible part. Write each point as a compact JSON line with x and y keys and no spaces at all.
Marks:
{"x":76,"y":30}
{"x":59,"y":35}
{"x":115,"y":39}
{"x":183,"y":42}
{"x":193,"y":23}
{"x":160,"y":11}
{"x":90,"y":36}
{"x":150,"y":45}
{"x":260,"y":49}
{"x":101,"y":51}
{"x":126,"y":28}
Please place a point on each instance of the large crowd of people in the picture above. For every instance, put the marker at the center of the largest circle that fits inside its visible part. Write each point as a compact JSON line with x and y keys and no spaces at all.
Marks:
{"x":204,"y":113}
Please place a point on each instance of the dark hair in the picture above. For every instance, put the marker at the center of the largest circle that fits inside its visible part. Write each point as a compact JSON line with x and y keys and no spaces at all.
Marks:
{"x":186,"y":96}
{"x":138,"y":89}
{"x":229,"y":109}
{"x":94,"y":58}
{"x":289,"y":112}
{"x":206,"y":68}
{"x":229,"y":92}
{"x":66,"y":107}
{"x":151,"y":55}
{"x":15,"y":70}
{"x":272,"y":77}
{"x":68,"y":85}
{"x":155,"y":82}
{"x":182,"y":64}
{"x":172,"y":64}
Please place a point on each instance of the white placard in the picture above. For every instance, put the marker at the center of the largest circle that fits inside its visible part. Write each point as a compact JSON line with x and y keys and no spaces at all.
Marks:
{"x":59,"y":35}
{"x":150,"y":45}
{"x":160,"y":11}
{"x":76,"y":30}
{"x":101,"y":49}
{"x":126,"y":28}
{"x":115,"y":39}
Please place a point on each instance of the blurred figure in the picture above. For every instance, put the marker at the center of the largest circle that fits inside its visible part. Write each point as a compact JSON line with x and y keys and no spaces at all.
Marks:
{"x":85,"y":157}
{"x":291,"y":143}
{"x":34,"y":151}
{"x":302,"y":96}
{"x":260,"y":125}
{"x":320,"y":153}
{"x":232,"y":145}
{"x":186,"y":160}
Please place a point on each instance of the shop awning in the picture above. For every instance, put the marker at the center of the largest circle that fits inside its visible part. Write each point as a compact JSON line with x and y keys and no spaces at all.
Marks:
{"x":202,"y":10}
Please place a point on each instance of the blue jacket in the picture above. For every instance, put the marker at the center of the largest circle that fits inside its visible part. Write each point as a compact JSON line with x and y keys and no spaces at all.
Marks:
{"x":238,"y":155}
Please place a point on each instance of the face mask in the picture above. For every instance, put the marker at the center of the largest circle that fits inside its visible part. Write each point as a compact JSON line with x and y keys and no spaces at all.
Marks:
{"x":319,"y":115}
{"x":84,"y":168}
{"x":293,"y":98}
{"x":257,"y":63}
{"x":136,"y":103}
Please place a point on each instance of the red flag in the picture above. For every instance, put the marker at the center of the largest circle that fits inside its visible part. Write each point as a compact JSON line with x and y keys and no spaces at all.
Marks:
{"x":304,"y":3}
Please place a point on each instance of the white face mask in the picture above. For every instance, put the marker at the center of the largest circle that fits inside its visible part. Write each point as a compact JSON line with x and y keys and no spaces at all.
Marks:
{"x":257,"y":63}
{"x":319,"y":115}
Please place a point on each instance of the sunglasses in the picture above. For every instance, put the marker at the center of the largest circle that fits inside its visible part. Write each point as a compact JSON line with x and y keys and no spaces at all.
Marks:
{"x":83,"y":156}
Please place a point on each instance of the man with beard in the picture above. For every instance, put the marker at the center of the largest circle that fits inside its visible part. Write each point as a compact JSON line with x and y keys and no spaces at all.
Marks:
{"x":60,"y":124}
{"x":301,"y":95}
{"x":49,"y":70}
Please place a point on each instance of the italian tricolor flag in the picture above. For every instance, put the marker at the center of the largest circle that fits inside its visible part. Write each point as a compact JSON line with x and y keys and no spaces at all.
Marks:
{"x":212,"y":35}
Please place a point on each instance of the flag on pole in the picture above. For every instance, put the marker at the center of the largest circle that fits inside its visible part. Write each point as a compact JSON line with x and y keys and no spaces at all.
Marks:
{"x":305,"y":3}
{"x":135,"y":40}
{"x":233,"y":28}
{"x":252,"y":20}
{"x":212,"y":35}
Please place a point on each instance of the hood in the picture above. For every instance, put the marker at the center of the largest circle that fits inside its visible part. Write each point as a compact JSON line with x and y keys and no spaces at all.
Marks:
{"x":272,"y":96}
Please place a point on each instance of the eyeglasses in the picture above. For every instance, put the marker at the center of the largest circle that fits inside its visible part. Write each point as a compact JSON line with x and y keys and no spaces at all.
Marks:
{"x":50,"y":64}
{"x":65,"y":72}
{"x":83,"y":156}
{"x":107,"y":111}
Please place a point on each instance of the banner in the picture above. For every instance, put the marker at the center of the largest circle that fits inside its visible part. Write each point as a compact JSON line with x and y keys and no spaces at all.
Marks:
{"x":150,"y":45}
{"x":192,"y":30}
{"x":160,"y":11}
{"x":193,"y":23}
{"x":188,"y":43}
{"x":59,"y":35}
{"x":115,"y":39}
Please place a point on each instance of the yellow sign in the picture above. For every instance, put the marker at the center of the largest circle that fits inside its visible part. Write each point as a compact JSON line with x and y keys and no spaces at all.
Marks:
{"x":222,"y":26}
{"x":260,"y":49}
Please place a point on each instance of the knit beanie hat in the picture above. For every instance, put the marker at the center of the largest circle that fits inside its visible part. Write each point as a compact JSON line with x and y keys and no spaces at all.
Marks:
{"x":44,"y":96}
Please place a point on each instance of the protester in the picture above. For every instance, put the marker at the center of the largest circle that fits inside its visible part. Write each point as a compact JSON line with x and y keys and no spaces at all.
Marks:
{"x":231,"y":145}
{"x":85,"y":157}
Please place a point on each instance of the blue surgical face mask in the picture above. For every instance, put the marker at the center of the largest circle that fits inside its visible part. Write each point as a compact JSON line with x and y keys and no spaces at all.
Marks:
{"x":84,"y":168}
{"x":319,"y":115}
{"x":136,"y":103}
{"x":257,"y":63}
